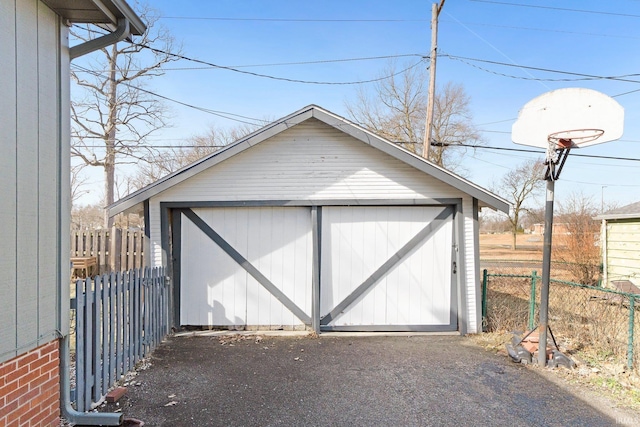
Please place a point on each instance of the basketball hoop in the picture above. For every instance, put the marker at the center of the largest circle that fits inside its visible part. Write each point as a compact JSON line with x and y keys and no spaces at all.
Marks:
{"x":574,"y":138}
{"x":588,"y":114}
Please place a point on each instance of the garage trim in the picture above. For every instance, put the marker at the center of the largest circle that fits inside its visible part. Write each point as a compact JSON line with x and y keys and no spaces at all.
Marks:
{"x":170,"y":215}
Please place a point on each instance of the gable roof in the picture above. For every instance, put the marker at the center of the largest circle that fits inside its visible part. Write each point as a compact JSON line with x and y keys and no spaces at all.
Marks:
{"x":485,"y":197}
{"x":625,"y":212}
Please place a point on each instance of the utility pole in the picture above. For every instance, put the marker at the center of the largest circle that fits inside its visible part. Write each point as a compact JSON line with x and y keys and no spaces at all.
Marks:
{"x":435,"y":12}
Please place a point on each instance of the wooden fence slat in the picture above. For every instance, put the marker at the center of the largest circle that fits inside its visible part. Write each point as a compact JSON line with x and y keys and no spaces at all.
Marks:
{"x":114,"y":250}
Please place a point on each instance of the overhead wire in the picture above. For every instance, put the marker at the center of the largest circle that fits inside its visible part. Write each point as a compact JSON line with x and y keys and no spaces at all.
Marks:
{"x":545,"y":30}
{"x":563,"y":9}
{"x":221,"y":114}
{"x":423,"y":58}
{"x":213,"y":18}
{"x":286,"y":79}
{"x":277,"y":64}
{"x":621,"y":78}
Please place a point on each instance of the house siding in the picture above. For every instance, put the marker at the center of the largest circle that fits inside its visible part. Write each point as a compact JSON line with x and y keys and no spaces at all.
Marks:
{"x":623,"y":250}
{"x":471,"y":270}
{"x":29,"y":166}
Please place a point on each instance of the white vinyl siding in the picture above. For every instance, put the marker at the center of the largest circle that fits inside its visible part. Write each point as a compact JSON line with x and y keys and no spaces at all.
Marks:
{"x":311,"y":161}
{"x":471,"y":279}
{"x":30,"y":123}
{"x":623,"y":250}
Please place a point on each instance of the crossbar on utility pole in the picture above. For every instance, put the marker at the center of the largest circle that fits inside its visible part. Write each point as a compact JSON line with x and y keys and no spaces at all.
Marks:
{"x":435,"y":12}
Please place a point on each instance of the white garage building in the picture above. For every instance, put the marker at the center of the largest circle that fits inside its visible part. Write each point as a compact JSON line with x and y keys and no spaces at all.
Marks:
{"x":314,"y":222}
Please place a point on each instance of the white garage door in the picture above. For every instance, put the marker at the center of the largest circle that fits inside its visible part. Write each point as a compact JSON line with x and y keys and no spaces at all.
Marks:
{"x":381,"y":268}
{"x":246,"y":266}
{"x":387,"y":268}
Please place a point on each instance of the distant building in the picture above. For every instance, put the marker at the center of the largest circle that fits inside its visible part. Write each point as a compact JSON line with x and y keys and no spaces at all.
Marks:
{"x":620,"y":241}
{"x":559,"y":228}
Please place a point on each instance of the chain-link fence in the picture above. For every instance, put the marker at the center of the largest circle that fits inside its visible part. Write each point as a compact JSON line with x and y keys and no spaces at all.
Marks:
{"x":590,"y":319}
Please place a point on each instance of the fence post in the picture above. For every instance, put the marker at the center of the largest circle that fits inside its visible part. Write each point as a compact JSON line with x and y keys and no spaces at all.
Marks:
{"x":632,"y":312}
{"x":532,"y":300}
{"x":115,"y":249}
{"x":484,"y":298}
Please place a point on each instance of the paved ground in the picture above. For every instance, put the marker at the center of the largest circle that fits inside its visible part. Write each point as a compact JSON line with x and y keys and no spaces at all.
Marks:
{"x":356,"y":381}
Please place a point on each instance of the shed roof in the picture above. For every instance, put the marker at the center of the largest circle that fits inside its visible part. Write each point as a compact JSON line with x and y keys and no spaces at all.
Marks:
{"x":486,"y":198}
{"x":625,"y":212}
{"x":97,"y":12}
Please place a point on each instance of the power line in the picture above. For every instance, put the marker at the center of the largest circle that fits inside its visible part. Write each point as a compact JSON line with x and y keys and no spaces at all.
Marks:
{"x":525,"y":150}
{"x":213,"y":18}
{"x":222,"y":67}
{"x":547,"y":70}
{"x":486,"y":147}
{"x":222,"y":114}
{"x":545,"y":30}
{"x":267,"y":76}
{"x":276,"y":64}
{"x":536,"y":6}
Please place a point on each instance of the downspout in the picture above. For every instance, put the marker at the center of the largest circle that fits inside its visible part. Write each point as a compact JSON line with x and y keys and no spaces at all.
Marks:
{"x":121,"y":32}
{"x":68,"y":412}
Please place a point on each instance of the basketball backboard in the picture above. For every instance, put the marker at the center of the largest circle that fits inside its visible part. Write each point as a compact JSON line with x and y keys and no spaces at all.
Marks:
{"x":570,"y":117}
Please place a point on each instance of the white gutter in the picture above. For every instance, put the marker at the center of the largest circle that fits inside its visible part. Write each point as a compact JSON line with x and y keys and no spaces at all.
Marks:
{"x":120,"y":33}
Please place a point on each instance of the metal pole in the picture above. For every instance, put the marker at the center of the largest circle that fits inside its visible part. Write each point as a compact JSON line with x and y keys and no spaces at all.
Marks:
{"x":435,"y":11}
{"x":532,"y":300}
{"x":485,"y":277}
{"x":632,"y":312}
{"x":546,"y":272}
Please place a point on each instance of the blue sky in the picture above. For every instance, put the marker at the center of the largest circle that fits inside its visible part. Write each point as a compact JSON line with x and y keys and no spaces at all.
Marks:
{"x":586,"y":37}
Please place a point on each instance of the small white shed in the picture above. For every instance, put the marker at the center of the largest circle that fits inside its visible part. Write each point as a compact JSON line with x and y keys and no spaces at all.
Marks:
{"x":315,"y":222}
{"x":620,"y":244}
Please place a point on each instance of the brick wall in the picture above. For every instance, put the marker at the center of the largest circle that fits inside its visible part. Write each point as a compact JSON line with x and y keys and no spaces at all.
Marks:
{"x":30,"y":388}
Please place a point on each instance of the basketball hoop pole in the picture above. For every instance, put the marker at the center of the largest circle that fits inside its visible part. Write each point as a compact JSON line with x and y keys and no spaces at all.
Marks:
{"x":558,"y":121}
{"x":551,"y":175}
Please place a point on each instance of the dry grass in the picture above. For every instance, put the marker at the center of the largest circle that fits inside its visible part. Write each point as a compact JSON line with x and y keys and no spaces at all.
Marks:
{"x":498,"y":246}
{"x":590,"y":326}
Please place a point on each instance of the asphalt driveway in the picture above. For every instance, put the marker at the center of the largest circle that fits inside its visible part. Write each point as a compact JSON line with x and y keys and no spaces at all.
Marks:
{"x":343,"y":380}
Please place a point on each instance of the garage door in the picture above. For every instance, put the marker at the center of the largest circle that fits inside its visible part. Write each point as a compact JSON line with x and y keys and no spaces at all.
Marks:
{"x":387,"y":268}
{"x":381,"y":267}
{"x":246,"y":266}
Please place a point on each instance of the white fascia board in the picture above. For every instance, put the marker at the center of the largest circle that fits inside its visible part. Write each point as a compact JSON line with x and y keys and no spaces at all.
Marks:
{"x":486,"y":198}
{"x":618,"y":216}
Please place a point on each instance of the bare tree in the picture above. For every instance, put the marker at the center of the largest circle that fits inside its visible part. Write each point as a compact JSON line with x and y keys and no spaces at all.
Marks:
{"x":87,"y":217}
{"x":77,"y":184}
{"x":578,"y":246}
{"x":112,"y":114}
{"x":195,"y":148}
{"x":518,"y":186}
{"x":397,"y":108}
{"x":452,"y":127}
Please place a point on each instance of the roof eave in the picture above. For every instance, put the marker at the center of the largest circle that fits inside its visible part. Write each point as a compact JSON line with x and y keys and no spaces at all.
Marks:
{"x":618,"y":216}
{"x":98,"y":12}
{"x":486,"y":198}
